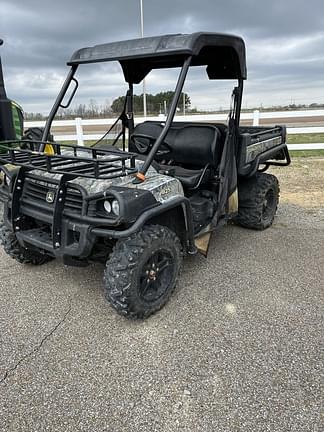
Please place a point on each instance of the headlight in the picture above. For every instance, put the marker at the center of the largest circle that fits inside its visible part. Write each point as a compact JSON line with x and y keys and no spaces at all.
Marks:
{"x":107,"y":206}
{"x":111,"y":206}
{"x":115,"y":207}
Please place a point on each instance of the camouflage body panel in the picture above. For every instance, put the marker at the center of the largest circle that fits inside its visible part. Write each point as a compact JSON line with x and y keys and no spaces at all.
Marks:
{"x":254,"y":150}
{"x":162,"y":187}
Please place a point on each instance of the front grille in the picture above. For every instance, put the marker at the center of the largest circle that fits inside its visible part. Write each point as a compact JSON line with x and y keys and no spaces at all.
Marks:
{"x":36,"y":191}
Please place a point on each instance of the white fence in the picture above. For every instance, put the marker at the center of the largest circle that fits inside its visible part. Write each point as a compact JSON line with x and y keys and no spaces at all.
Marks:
{"x":254,"y":116}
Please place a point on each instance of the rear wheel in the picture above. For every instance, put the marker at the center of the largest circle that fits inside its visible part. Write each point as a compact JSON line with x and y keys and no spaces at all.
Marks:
{"x":12,"y":247}
{"x":142,"y":271}
{"x":258,"y":201}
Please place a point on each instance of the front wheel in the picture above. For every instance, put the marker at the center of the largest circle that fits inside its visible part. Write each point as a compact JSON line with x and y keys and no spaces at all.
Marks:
{"x":11,"y":246}
{"x":258,"y":201}
{"x":142,"y":271}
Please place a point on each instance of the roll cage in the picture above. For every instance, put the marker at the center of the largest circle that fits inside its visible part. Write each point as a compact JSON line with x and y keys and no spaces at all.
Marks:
{"x":223,"y":55}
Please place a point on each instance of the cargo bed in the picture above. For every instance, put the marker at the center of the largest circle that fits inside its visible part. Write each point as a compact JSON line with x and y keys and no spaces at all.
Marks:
{"x":259,"y":145}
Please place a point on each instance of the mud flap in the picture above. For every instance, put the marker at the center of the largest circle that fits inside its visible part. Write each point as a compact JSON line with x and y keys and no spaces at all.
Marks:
{"x":202,"y":243}
{"x":233,"y":202}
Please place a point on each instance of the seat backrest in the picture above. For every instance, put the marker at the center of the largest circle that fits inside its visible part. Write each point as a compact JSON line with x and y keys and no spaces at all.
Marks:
{"x":191,"y":144}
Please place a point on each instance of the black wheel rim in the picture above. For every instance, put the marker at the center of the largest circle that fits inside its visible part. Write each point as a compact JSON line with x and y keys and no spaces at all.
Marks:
{"x":269,"y":204}
{"x":156,"y":276}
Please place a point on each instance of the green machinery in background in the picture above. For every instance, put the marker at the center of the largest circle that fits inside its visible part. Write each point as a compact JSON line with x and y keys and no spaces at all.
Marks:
{"x":11,"y":114}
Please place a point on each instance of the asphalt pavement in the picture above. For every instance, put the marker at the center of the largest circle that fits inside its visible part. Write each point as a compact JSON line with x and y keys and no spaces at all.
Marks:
{"x":238,"y":347}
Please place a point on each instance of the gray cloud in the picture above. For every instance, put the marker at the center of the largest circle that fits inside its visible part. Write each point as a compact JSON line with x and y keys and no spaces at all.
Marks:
{"x":284,"y":40}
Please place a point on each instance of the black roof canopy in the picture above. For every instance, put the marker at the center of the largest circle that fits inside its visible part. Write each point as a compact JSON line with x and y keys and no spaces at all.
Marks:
{"x":224,"y":55}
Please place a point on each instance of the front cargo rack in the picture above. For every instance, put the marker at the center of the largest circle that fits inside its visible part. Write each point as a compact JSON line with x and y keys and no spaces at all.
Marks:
{"x":69,"y":159}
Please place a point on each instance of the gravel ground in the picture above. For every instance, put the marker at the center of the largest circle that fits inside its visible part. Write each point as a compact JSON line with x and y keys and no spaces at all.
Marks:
{"x":238,"y":347}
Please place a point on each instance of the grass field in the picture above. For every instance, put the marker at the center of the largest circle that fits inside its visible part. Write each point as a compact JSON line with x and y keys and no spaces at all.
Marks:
{"x":306,"y":153}
{"x":305,"y":139}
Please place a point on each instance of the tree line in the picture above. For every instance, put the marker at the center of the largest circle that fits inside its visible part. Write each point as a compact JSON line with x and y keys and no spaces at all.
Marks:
{"x":156,"y":104}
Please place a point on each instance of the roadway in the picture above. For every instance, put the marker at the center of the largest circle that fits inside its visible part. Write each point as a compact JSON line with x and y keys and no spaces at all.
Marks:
{"x":237,"y":348}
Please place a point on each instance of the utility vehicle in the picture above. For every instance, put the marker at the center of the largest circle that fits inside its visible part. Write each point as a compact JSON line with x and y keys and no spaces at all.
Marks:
{"x":141,"y":210}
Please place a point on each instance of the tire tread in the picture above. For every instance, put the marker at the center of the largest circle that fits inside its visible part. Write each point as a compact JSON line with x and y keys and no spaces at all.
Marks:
{"x":124,"y":260}
{"x":251,"y":196}
{"x":12,"y":248}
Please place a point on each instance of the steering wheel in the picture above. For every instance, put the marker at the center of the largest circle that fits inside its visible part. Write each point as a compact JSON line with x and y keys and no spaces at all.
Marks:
{"x":145,"y":144}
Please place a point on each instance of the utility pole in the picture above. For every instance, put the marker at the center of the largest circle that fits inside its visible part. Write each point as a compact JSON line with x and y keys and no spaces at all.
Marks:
{"x":142,"y":35}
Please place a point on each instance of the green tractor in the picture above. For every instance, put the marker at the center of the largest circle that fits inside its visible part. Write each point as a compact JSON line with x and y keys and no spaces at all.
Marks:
{"x":12,"y":128}
{"x":12,"y":120}
{"x":11,"y":114}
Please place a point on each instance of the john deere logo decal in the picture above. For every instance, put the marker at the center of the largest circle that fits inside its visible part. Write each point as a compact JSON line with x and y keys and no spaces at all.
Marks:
{"x":50,"y":197}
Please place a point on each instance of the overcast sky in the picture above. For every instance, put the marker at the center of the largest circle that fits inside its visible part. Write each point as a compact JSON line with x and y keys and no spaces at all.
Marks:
{"x":284,"y":40}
